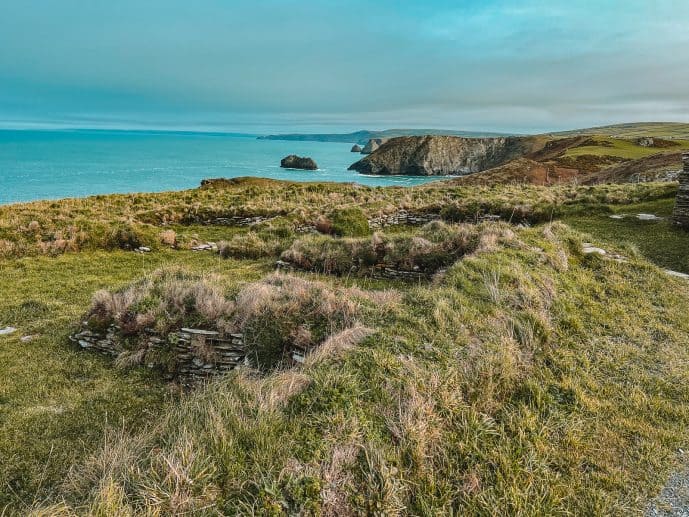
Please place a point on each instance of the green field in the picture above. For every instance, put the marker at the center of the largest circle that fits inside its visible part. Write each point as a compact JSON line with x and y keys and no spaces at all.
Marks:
{"x":527,"y":379}
{"x":622,"y":148}
{"x":674,"y":130}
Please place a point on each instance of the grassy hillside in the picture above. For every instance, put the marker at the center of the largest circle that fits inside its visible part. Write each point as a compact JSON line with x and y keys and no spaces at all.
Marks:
{"x":673,"y":130}
{"x":527,"y":378}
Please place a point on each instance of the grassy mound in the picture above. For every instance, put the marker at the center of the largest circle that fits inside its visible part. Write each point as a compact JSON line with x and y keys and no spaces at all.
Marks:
{"x":274,"y":314}
{"x":434,"y":246}
{"x":530,"y":380}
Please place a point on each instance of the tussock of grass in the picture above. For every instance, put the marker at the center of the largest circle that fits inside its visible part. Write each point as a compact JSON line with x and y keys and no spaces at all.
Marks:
{"x":529,"y":380}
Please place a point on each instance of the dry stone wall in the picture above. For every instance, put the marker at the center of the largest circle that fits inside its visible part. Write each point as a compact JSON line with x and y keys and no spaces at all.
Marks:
{"x":402,"y":217}
{"x":379,"y":271}
{"x":238,"y":220}
{"x":681,"y":213}
{"x":197,"y":354}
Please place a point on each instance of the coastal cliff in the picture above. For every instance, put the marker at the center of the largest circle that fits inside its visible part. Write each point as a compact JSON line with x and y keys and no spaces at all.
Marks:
{"x":442,"y":155}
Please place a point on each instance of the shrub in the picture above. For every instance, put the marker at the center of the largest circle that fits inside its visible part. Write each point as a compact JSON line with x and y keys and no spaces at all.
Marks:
{"x":250,"y":245}
{"x":169,"y":238}
{"x":125,"y":237}
{"x":350,"y":222}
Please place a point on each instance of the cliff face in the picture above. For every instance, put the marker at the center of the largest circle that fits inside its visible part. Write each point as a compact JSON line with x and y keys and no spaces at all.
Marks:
{"x":442,"y":155}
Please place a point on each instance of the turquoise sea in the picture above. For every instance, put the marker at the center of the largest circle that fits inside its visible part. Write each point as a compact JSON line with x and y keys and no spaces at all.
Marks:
{"x":74,"y":163}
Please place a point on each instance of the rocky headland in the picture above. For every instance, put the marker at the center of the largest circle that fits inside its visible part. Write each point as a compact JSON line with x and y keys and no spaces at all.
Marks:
{"x":442,"y":155}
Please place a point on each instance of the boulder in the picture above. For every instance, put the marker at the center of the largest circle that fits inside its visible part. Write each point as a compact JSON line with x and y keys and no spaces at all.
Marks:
{"x":356,"y":148}
{"x":298,"y":162}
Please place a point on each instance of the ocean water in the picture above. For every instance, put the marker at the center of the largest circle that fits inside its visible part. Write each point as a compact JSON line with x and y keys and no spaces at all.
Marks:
{"x":58,"y":164}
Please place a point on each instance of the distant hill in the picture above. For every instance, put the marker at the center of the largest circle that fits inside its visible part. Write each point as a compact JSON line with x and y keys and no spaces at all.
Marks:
{"x":362,"y":137}
{"x":673,"y":130}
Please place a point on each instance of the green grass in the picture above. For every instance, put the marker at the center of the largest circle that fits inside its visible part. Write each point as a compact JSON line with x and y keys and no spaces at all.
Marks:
{"x":661,"y":242}
{"x":55,"y":401}
{"x":530,"y":380}
{"x":526,"y":380}
{"x":675,"y":130}
{"x":622,"y":148}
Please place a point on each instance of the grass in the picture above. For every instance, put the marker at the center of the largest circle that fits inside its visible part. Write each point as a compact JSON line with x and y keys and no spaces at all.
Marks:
{"x":622,"y":148}
{"x":675,"y":130}
{"x":528,"y":379}
{"x":56,"y":402}
{"x":661,"y":242}
{"x":123,"y":221}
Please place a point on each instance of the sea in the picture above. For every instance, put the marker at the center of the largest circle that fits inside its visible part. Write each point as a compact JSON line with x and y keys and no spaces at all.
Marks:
{"x":55,"y":164}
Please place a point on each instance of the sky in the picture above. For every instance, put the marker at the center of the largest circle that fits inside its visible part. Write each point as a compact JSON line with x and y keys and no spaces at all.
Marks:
{"x":279,"y":65}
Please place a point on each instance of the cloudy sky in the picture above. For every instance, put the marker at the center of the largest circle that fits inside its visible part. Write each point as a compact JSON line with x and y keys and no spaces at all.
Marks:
{"x":267,"y":65}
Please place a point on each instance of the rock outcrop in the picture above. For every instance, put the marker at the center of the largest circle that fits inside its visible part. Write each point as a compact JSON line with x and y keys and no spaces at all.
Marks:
{"x":356,"y":148}
{"x":442,"y":155}
{"x":373,"y":144}
{"x":298,"y":162}
{"x":681,"y":212}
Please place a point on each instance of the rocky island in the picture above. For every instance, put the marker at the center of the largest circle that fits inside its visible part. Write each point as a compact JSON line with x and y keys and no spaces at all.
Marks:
{"x":298,"y":162}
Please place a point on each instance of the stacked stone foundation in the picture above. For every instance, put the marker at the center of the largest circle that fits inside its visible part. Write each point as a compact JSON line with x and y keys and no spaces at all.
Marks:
{"x":681,"y":212}
{"x":197,"y":355}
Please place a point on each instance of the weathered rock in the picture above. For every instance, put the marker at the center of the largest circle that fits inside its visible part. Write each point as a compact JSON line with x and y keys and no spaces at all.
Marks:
{"x":648,"y":217}
{"x":589,"y":250}
{"x":373,"y":144}
{"x":298,"y":162}
{"x":356,"y":148}
{"x":645,"y":141}
{"x":442,"y":155}
{"x":7,"y":330}
{"x":681,"y":212}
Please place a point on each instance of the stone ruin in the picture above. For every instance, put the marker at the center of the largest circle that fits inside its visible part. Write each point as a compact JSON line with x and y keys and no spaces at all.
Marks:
{"x":402,"y":217}
{"x":197,"y":355}
{"x":681,"y":212}
{"x":380,"y":271}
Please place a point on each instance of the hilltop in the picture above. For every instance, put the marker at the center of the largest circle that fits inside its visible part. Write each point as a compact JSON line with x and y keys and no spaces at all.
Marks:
{"x":679,"y":130}
{"x":362,"y":137}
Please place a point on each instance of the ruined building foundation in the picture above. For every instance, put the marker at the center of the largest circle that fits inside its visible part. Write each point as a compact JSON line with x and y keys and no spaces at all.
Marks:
{"x":681,"y":213}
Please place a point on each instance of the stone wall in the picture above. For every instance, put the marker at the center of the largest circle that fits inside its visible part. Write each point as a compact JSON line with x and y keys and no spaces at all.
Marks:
{"x":401,"y":217}
{"x":196,"y":354}
{"x":681,"y":213}
{"x":379,"y":271}
{"x":238,"y":220}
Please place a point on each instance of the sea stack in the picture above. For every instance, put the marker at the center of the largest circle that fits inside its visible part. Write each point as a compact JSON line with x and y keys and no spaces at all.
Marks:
{"x":372,"y":145}
{"x":356,"y":148}
{"x":681,"y":212}
{"x":298,"y":162}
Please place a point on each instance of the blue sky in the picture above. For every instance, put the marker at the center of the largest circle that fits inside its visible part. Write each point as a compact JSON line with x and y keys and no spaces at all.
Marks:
{"x":325,"y":65}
